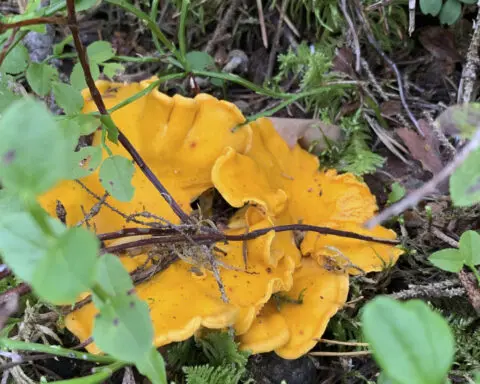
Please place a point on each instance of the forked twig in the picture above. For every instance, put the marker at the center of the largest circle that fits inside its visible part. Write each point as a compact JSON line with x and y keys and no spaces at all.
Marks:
{"x":97,"y":98}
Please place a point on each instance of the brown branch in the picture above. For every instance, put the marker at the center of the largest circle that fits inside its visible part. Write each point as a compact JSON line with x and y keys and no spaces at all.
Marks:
{"x":35,"y":21}
{"x":217,"y":236}
{"x":7,"y":45}
{"x":97,"y":98}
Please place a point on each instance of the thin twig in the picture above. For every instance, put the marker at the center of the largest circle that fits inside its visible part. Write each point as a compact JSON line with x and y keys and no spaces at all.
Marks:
{"x":349,"y":343}
{"x":469,"y":72}
{"x":340,"y":354}
{"x":35,"y":21}
{"x":353,"y":33}
{"x":223,"y":25}
{"x":261,"y":19}
{"x":391,"y":64}
{"x":97,"y":98}
{"x":276,"y":40}
{"x":217,"y":236}
{"x":413,"y":198}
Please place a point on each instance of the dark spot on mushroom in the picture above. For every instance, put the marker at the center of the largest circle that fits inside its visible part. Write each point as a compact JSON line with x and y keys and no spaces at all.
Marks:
{"x":309,"y":189}
{"x":9,"y":157}
{"x":193,"y":144}
{"x":321,"y":297}
{"x":269,"y":270}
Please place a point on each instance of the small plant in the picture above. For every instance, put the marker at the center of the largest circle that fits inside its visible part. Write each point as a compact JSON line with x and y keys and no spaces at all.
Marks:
{"x":448,"y":11}
{"x":468,"y":254}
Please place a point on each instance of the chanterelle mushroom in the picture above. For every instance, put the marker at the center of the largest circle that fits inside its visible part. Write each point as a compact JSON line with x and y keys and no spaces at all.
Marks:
{"x":191,"y":146}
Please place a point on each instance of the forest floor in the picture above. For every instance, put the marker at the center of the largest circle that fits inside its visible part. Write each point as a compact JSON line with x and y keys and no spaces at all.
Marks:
{"x":399,"y":79}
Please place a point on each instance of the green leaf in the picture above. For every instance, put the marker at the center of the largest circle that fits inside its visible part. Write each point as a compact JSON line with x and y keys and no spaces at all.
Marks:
{"x":33,"y":149}
{"x":430,"y":7}
{"x":22,"y":243}
{"x":469,"y":1}
{"x":199,"y":61}
{"x":77,"y":77}
{"x":112,"y":276}
{"x":7,"y":97}
{"x":84,"y":162}
{"x":123,"y":328}
{"x":470,"y":247}
{"x":40,"y":77}
{"x":459,"y":119}
{"x":83,"y":124}
{"x":410,"y":342}
{"x":58,"y":48}
{"x":152,"y":366}
{"x":116,"y":175}
{"x":451,"y":11}
{"x":100,"y":51}
{"x":465,"y":181}
{"x":68,"y":268}
{"x":397,"y":193}
{"x":111,"y":69}
{"x":68,"y":98}
{"x":16,"y":60}
{"x":450,"y":260}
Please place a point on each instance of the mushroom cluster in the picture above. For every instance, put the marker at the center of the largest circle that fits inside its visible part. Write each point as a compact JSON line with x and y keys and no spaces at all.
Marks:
{"x":191,"y":146}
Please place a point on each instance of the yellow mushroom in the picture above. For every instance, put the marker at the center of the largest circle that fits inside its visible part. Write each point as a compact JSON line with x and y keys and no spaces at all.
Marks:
{"x":316,"y":295}
{"x":191,"y":147}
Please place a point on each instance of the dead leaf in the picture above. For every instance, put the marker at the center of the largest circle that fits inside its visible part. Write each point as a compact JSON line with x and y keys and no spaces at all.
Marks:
{"x":440,"y":42}
{"x":424,"y":149}
{"x":306,"y":132}
{"x":391,"y":108}
{"x":342,"y":62}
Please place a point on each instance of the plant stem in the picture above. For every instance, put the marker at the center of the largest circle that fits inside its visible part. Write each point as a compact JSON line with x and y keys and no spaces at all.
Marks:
{"x":16,"y":345}
{"x":102,"y":374}
{"x":153,"y":16}
{"x":182,"y":41}
{"x":40,"y":217}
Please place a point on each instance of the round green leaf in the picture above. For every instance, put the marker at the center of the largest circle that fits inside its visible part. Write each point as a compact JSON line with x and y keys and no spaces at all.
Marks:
{"x":29,"y":162}
{"x":111,"y":69}
{"x":465,"y":181}
{"x":470,"y":247}
{"x":450,"y":12}
{"x":112,"y":276}
{"x":40,"y":76}
{"x":77,"y":77}
{"x":100,"y":51}
{"x":431,"y":7}
{"x":84,"y":162}
{"x":450,"y":260}
{"x":152,"y":366}
{"x":68,"y":98}
{"x":116,"y":175}
{"x":16,"y":60}
{"x":68,"y":267}
{"x":83,"y":124}
{"x":199,"y":60}
{"x":7,"y":97}
{"x":410,"y":342}
{"x":123,"y":328}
